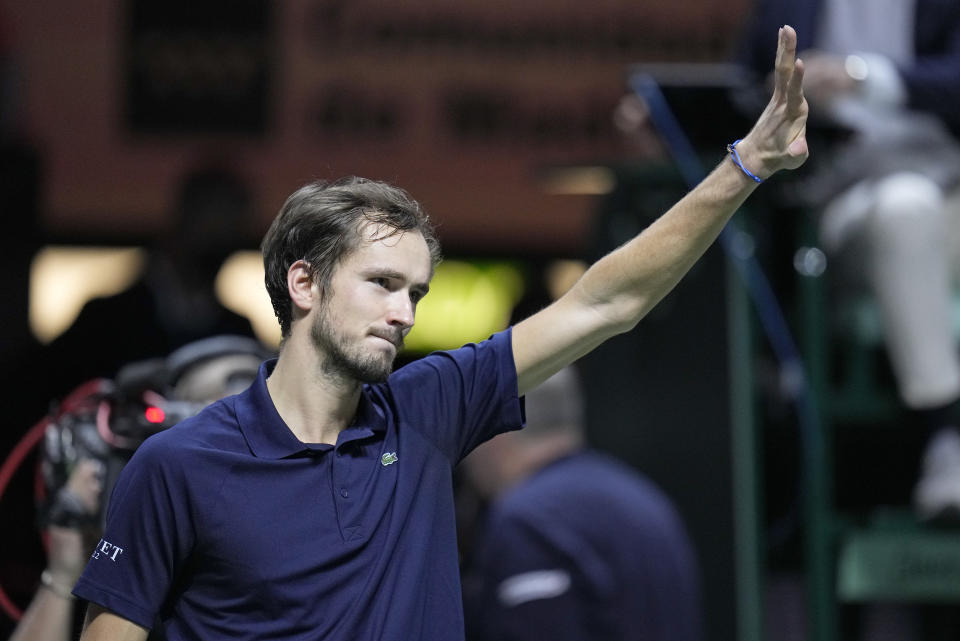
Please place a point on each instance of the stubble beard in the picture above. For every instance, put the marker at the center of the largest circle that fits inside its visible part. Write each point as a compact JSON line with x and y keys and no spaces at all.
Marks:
{"x":341,"y":360}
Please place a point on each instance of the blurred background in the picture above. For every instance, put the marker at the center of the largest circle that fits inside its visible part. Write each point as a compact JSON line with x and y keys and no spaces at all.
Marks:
{"x":147,"y":146}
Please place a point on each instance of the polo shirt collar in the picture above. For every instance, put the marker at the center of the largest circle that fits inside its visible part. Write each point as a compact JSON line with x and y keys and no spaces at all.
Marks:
{"x":269,"y":437}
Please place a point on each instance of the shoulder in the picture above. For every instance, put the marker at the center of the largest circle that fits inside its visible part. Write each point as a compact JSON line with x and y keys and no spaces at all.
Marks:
{"x":491,"y":359}
{"x":450,"y":374}
{"x":182,"y":465}
{"x":600,"y":473}
{"x":458,"y":398}
{"x":213,"y":429}
{"x":117,"y":309}
{"x":600,"y":483}
{"x":490,"y":350}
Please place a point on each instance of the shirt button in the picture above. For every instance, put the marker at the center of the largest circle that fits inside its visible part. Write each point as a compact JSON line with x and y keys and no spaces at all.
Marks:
{"x":344,"y":493}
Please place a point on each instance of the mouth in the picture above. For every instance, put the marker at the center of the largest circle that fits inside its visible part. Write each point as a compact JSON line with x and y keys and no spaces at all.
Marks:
{"x":395,"y":340}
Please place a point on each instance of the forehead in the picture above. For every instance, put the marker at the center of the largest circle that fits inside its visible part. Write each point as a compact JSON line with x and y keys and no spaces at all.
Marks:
{"x":381,"y":246}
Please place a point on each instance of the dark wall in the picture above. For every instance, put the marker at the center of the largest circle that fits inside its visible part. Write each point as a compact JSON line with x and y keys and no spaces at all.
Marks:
{"x":659,"y":396}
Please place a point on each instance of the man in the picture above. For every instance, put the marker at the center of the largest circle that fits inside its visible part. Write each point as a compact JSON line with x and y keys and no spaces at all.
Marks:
{"x":576,"y":546}
{"x":318,"y":504}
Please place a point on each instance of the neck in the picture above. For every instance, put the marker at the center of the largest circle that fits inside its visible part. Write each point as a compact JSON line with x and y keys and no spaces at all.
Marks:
{"x":315,"y":405}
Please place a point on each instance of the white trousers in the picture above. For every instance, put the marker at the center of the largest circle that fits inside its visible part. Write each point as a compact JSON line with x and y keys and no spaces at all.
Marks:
{"x":900,"y":237}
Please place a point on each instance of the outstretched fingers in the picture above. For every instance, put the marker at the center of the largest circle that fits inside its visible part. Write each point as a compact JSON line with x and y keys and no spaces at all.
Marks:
{"x":795,"y":100}
{"x":796,"y":112}
{"x":780,"y":132}
{"x":785,"y":64}
{"x":788,"y":91}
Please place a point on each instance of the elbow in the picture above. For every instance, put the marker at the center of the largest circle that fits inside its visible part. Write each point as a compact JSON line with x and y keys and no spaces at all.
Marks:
{"x":624,"y":326}
{"x":623,"y":316}
{"x":609,"y":314}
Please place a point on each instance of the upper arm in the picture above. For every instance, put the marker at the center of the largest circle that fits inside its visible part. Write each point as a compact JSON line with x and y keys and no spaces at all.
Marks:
{"x":558,"y":335}
{"x":103,"y":625}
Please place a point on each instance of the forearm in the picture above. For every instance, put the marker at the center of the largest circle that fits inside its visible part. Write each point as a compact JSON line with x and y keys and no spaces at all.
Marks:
{"x":48,"y":618}
{"x":628,"y":282}
{"x":617,"y":291}
{"x":632,"y":279}
{"x":620,"y":288}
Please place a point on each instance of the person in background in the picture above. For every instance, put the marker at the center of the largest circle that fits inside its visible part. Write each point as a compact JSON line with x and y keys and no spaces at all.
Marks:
{"x":194,"y":375}
{"x":50,"y":615}
{"x":576,"y":545}
{"x":174,"y":302}
{"x":884,"y":73}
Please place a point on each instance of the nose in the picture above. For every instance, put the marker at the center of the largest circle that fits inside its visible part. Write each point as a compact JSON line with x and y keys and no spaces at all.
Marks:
{"x":401,"y":312}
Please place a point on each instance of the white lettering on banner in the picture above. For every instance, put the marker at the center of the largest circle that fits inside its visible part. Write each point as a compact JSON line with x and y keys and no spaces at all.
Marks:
{"x":107,"y":549}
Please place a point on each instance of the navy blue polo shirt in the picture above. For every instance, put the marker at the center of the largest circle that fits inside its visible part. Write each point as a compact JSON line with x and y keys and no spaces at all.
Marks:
{"x":228,"y":527}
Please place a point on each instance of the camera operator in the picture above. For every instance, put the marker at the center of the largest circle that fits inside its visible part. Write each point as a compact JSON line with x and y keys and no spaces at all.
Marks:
{"x":50,"y":616}
{"x":82,"y":458}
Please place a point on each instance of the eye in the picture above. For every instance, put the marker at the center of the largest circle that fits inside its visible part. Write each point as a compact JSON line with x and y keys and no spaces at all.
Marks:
{"x":379,"y":281}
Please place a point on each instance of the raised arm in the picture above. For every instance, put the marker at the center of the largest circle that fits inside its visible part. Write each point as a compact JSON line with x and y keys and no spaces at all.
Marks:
{"x":620,"y":288}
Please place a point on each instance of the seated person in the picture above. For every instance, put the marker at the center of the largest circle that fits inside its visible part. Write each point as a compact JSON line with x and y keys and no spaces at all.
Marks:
{"x":888,"y":191}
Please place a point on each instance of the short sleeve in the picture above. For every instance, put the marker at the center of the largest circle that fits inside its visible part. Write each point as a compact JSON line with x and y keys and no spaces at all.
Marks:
{"x":460,"y":398}
{"x":148,"y":535}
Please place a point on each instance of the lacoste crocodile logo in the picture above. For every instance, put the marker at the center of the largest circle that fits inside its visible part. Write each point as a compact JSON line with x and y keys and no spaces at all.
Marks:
{"x":388,"y":458}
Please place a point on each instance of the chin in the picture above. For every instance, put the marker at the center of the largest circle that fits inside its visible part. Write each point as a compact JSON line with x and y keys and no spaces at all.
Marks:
{"x":379,"y":376}
{"x":375,"y":370}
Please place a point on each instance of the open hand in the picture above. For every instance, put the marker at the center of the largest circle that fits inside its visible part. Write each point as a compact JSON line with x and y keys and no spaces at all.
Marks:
{"x":778,"y":139}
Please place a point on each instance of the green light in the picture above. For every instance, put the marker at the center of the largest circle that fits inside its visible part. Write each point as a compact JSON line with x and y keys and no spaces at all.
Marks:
{"x":468,"y":301}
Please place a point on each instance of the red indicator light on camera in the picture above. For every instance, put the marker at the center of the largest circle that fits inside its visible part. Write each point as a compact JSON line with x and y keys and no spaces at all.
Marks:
{"x":154,"y":415}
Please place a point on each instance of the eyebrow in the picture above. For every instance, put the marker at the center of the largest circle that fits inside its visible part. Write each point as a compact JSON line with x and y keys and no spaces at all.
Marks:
{"x":420,"y":288}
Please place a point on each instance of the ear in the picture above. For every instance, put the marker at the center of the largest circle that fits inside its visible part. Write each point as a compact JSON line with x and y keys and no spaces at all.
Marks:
{"x":300,"y":286}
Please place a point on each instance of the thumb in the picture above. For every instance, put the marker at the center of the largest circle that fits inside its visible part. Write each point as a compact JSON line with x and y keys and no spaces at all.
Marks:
{"x":798,"y":148}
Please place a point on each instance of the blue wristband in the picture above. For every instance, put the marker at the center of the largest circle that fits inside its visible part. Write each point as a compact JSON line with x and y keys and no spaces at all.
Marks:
{"x":732,"y":150}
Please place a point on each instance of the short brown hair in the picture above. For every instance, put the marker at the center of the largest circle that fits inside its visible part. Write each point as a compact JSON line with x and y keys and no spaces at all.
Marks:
{"x":321,"y":222}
